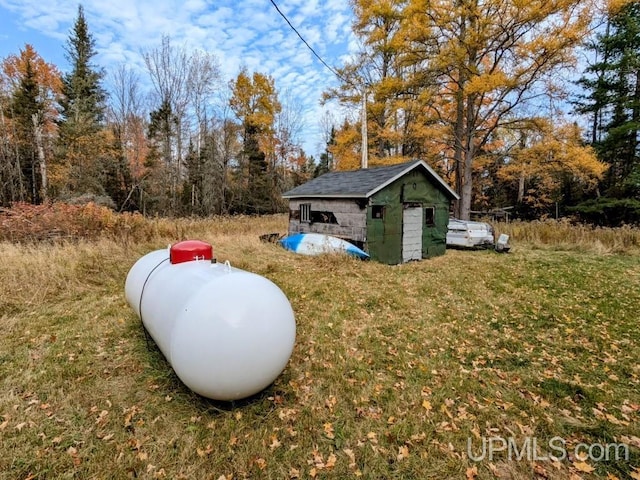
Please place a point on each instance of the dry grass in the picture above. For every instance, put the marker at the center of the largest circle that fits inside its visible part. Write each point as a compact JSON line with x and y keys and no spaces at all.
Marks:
{"x":568,"y":236}
{"x":394,"y":367}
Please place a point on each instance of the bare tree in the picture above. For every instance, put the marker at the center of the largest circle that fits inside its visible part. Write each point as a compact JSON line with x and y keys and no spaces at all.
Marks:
{"x":125,"y":95}
{"x":203,"y":81}
{"x":327,"y":124}
{"x":184,"y":85}
{"x":126,"y":116}
{"x":168,"y":68}
{"x":11,"y":185}
{"x":289,"y":124}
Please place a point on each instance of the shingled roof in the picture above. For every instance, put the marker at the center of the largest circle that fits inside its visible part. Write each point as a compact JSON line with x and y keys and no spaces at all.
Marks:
{"x":363,"y":183}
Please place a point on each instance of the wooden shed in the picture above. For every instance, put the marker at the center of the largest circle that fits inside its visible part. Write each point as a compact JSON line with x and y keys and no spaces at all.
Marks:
{"x":397,"y":213}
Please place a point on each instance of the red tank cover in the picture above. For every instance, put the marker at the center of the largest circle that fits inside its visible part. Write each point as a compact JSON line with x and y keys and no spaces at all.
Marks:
{"x":189,"y":250}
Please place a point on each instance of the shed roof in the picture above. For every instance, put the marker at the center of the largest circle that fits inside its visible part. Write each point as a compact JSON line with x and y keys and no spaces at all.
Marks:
{"x":364,"y":182}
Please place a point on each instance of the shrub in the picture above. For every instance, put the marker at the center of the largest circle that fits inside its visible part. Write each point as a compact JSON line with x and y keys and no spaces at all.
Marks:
{"x":608,"y":212}
{"x":55,"y":221}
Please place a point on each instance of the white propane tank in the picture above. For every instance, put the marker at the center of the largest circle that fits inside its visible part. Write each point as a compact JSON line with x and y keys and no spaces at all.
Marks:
{"x":226,"y":332}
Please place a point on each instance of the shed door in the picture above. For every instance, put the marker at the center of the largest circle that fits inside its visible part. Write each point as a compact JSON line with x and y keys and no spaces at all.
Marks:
{"x":412,"y":234}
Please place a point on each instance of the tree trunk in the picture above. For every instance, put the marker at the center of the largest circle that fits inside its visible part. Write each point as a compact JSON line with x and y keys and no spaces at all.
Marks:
{"x":37,"y":130}
{"x":520,"y":188}
{"x":464,"y":148}
{"x":633,"y":160}
{"x":458,"y":132}
{"x":467,"y":186}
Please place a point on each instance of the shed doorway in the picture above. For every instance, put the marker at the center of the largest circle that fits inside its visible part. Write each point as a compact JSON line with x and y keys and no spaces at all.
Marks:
{"x":411,"y":233}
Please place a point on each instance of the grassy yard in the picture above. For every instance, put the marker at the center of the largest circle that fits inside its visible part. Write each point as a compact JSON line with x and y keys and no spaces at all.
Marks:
{"x":394,"y":368}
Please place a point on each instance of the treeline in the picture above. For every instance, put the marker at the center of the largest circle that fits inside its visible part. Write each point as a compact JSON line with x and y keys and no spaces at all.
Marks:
{"x":194,"y":144}
{"x":481,"y":90}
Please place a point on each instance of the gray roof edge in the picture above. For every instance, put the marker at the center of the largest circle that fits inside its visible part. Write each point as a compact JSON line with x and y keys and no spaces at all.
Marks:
{"x":337,"y":195}
{"x":431,"y":171}
{"x":409,"y":167}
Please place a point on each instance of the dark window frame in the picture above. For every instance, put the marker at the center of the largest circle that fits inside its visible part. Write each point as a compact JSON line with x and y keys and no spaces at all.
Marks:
{"x":430,"y":216}
{"x":305,"y":213}
{"x":378,"y":212}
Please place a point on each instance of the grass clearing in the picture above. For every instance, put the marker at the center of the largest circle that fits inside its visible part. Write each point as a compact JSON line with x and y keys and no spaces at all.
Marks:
{"x":393,"y":370}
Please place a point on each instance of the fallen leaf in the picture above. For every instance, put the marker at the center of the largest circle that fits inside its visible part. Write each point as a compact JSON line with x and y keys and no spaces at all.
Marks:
{"x":472,"y":472}
{"x":631,"y":440}
{"x":540,"y":471}
{"x":352,"y":457}
{"x":583,"y":467}
{"x":204,"y":452}
{"x":331,"y":461}
{"x":275,"y":443}
{"x":318,"y":460}
{"x":328,"y":431}
{"x":612,"y":419}
{"x":403,"y":452}
{"x":445,"y":410}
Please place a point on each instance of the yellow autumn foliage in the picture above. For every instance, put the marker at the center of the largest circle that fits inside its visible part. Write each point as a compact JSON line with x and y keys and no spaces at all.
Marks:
{"x":613,"y":6}
{"x":554,"y":151}
{"x":255,"y":100}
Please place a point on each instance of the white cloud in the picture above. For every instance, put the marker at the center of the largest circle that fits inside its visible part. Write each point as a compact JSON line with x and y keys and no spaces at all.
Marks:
{"x":250,"y":33}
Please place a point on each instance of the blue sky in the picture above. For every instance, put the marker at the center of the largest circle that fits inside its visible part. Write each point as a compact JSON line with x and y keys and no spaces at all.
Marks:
{"x":239,"y":33}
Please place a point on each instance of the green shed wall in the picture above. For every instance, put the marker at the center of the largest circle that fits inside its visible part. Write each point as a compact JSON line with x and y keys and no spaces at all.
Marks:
{"x":384,"y":236}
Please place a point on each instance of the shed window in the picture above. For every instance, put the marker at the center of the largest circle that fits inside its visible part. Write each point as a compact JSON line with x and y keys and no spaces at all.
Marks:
{"x":323,"y":217}
{"x":377,"y":211}
{"x":305,"y":212}
{"x":430,"y":216}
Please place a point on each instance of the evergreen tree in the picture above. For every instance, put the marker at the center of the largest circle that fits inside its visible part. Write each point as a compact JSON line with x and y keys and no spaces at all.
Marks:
{"x":613,"y":99}
{"x":82,"y":142}
{"x":326,"y":158}
{"x":165,"y":187}
{"x":117,"y":178}
{"x":83,"y":96}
